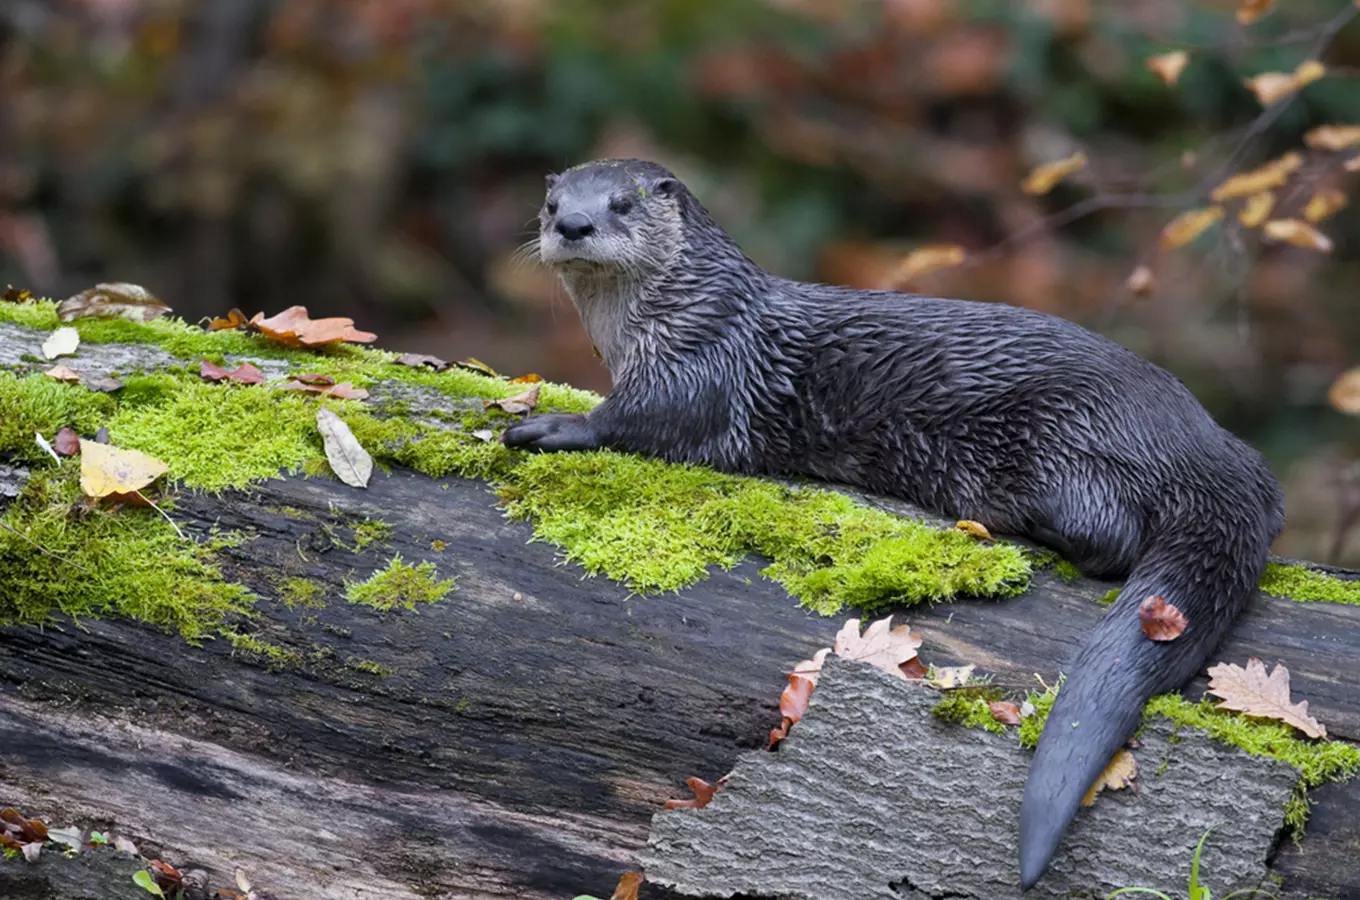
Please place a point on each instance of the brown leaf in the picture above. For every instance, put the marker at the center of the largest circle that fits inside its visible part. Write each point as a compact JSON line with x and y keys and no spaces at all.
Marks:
{"x":703,"y":793}
{"x":1044,"y":178}
{"x":1141,"y":282}
{"x":67,"y":442}
{"x":1256,"y":209}
{"x":12,"y":294}
{"x":1252,"y":10}
{"x":167,"y":876}
{"x":104,"y":384}
{"x":1120,"y":772}
{"x":235,"y":319}
{"x":106,"y":470}
{"x":1168,"y":66}
{"x":1161,"y":621}
{"x":416,"y":360}
{"x":914,"y":669}
{"x":295,"y":328}
{"x":1271,"y":87}
{"x":1005,"y":712}
{"x":1300,"y":234}
{"x":628,"y":887}
{"x":324,"y":385}
{"x":112,"y":301}
{"x":63,"y":373}
{"x":476,"y":365}
{"x":1324,"y":204}
{"x":1345,"y":392}
{"x":518,"y":404}
{"x":1189,"y":225}
{"x":1271,"y":175}
{"x":881,"y":645}
{"x":974,"y":529}
{"x":929,"y":258}
{"x":349,"y":460}
{"x":245,"y":373}
{"x":1333,"y":137}
{"x":1255,"y":693}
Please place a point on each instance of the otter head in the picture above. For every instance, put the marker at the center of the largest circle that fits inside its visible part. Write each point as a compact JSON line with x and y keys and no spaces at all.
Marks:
{"x":611,"y":217}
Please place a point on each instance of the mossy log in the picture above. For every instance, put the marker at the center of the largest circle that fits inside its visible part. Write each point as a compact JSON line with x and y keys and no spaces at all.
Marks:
{"x":516,"y":737}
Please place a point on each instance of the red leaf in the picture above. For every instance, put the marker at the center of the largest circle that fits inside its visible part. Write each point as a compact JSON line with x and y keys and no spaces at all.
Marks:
{"x":1005,"y":712}
{"x":67,"y":442}
{"x":1161,"y":620}
{"x":703,"y":793}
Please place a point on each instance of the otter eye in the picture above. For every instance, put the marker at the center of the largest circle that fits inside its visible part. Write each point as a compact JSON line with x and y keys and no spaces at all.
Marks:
{"x":620,"y":205}
{"x":552,"y":207}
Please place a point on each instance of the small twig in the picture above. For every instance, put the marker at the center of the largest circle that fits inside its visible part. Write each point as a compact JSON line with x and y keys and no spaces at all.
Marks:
{"x":167,"y":518}
{"x":23,"y":537}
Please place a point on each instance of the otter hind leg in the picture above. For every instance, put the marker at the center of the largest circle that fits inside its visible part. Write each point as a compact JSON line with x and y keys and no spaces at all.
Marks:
{"x":1099,"y":537}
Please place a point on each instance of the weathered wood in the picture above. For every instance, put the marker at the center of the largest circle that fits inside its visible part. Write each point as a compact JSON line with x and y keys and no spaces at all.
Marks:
{"x":532,"y":722}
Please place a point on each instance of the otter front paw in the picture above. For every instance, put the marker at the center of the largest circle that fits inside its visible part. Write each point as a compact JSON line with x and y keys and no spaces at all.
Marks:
{"x":552,"y":432}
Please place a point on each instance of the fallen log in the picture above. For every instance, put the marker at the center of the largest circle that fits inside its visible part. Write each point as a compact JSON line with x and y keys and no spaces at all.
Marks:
{"x":516,"y":736}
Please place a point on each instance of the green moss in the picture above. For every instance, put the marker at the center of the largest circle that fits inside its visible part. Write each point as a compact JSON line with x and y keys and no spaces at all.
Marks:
{"x":371,"y":531}
{"x":659,"y":527}
{"x":370,"y":667}
{"x":400,"y":585}
{"x":1305,"y":585}
{"x":1066,"y":570}
{"x":274,"y":656}
{"x":1108,"y":597}
{"x":301,"y":592}
{"x":127,"y":561}
{"x":44,"y":405}
{"x":968,"y":706}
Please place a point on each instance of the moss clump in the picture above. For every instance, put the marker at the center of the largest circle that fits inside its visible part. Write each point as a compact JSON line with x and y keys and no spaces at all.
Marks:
{"x":274,"y":656}
{"x":370,"y":667}
{"x":128,"y":561}
{"x":1066,"y":570}
{"x":1108,"y":597}
{"x":969,"y":706}
{"x":1305,"y":585}
{"x":658,"y":527}
{"x":296,"y":592}
{"x":400,"y":585}
{"x":44,"y":405}
{"x":371,"y":531}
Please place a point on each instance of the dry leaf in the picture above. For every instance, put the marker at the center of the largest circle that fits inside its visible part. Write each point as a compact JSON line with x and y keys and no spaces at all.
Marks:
{"x":914,"y":670}
{"x":703,"y":793}
{"x":325,"y":386}
{"x":476,"y":365}
{"x":1255,"y":693}
{"x":794,"y":699}
{"x":104,"y":384}
{"x":1345,"y":393}
{"x":1271,"y":175}
{"x":881,"y":645}
{"x":1256,"y":209}
{"x":235,"y":319}
{"x":1141,"y":282}
{"x":1120,"y":772}
{"x":952,"y":676}
{"x":1333,"y":137}
{"x":531,"y":378}
{"x":628,"y":887}
{"x":12,"y":294}
{"x":63,"y":373}
{"x":349,"y":460}
{"x":1044,"y":178}
{"x":929,"y":258}
{"x":1270,"y":87}
{"x":1161,"y":621}
{"x":518,"y":404}
{"x":112,"y":301}
{"x":67,"y":442}
{"x":1324,"y":204}
{"x":484,"y":434}
{"x":1298,"y":233}
{"x":295,"y":328}
{"x":1252,"y":10}
{"x":245,"y":373}
{"x":62,"y":342}
{"x":416,"y":360}
{"x":1168,"y":66}
{"x":105,"y":469}
{"x":1189,"y":225}
{"x":1005,"y":712}
{"x":974,"y":529}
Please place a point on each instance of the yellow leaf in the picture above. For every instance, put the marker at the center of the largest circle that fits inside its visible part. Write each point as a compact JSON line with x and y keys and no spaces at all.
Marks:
{"x":1168,"y":66}
{"x":1256,"y":693}
{"x":1252,"y":10}
{"x":1345,"y":393}
{"x":974,"y":529}
{"x":1044,"y":178}
{"x":1189,"y":225}
{"x":1119,"y":773}
{"x":1271,"y":175}
{"x":105,"y":469}
{"x":1324,"y":204}
{"x":1256,"y":209}
{"x":1270,"y":87}
{"x":952,"y":676}
{"x":1300,"y":234}
{"x":1308,"y":72}
{"x":1333,"y":137}
{"x":1141,"y":282}
{"x":928,"y":259}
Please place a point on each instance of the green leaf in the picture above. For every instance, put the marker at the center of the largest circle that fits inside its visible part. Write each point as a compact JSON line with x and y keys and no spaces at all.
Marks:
{"x":1197,"y":892}
{"x":98,"y":837}
{"x":144,"y":881}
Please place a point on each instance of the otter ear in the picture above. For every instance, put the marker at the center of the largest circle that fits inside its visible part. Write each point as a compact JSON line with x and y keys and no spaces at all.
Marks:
{"x":668,"y":187}
{"x":550,"y":179}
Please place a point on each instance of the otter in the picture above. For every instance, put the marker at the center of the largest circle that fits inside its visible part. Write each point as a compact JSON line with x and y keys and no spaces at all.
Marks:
{"x":1017,"y":419}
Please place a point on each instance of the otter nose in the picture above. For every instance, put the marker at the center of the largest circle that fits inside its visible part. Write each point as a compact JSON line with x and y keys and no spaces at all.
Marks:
{"x":575,"y":226}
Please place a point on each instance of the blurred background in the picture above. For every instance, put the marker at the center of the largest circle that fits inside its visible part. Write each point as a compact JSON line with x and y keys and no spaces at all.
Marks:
{"x":382,"y":159}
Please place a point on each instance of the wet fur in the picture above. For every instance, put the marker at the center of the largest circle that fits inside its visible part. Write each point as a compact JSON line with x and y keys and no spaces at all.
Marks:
{"x":1020,"y":420}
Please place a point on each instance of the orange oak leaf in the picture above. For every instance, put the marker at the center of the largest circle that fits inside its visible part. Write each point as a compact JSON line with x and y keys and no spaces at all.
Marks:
{"x":234,"y":319}
{"x":628,"y":887}
{"x":295,"y":328}
{"x":245,"y":373}
{"x":703,"y":793}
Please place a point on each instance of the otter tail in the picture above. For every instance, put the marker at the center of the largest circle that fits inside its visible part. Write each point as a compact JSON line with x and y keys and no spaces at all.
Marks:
{"x":1208,"y":568}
